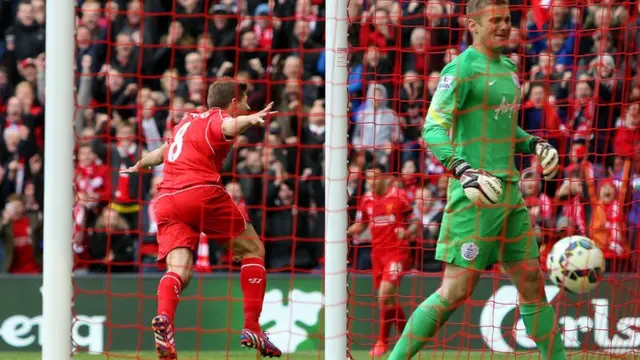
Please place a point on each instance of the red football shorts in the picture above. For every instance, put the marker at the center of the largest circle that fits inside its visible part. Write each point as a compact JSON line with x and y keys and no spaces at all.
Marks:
{"x":184,"y":214}
{"x":390,"y":268}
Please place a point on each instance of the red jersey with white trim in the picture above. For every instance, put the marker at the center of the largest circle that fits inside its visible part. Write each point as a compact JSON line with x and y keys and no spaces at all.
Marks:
{"x":383,"y":214}
{"x":197,"y":149}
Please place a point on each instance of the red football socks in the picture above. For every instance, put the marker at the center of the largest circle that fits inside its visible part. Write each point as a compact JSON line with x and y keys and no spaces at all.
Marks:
{"x":169,"y":289}
{"x":388,"y":316}
{"x":253,"y":281}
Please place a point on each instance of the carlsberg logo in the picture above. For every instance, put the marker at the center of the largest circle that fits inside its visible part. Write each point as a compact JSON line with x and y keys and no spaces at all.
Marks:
{"x":624,"y":338}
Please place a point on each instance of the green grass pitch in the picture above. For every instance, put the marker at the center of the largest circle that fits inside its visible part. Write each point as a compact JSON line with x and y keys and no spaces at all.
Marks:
{"x":358,"y":355}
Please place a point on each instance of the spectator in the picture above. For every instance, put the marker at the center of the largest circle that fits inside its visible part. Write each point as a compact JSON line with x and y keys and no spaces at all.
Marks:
{"x":572,"y":220}
{"x":313,"y":138}
{"x":605,"y":227}
{"x":627,"y":135}
{"x":148,"y":250}
{"x":411,"y":98}
{"x":212,"y":58}
{"x":125,"y":187}
{"x":287,"y":220}
{"x":377,"y":127}
{"x":538,"y":204}
{"x":26,"y":38}
{"x":111,"y":244}
{"x":429,"y":212}
{"x":21,"y":232}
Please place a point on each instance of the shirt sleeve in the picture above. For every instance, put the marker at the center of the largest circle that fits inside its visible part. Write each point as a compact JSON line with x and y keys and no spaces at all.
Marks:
{"x":215,"y":127}
{"x":448,"y":98}
{"x":523,"y":141}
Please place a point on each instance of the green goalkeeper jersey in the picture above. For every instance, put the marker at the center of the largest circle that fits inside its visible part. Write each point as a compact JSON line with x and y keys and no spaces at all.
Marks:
{"x":474,"y":115}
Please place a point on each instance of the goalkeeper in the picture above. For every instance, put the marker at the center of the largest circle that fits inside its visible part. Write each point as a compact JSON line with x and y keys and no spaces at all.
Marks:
{"x":485,"y":219}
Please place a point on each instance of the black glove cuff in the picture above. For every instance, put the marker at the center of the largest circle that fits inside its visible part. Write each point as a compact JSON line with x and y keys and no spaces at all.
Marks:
{"x":459,"y":167}
{"x":534,"y":142}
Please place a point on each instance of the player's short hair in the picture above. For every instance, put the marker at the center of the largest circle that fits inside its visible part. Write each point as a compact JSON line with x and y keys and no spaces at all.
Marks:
{"x":475,"y":6}
{"x":223,"y":91}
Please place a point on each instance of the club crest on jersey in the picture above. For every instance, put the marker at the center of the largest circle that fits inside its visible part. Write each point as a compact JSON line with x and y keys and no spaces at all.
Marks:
{"x":446,"y":82}
{"x":389,"y":208}
{"x":516,"y":80}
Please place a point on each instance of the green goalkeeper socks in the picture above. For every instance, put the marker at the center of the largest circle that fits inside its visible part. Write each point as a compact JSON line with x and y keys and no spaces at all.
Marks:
{"x":540,"y":322}
{"x":422,"y":325}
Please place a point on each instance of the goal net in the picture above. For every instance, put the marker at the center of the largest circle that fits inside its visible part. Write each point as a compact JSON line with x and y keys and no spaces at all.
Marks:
{"x":142,"y":65}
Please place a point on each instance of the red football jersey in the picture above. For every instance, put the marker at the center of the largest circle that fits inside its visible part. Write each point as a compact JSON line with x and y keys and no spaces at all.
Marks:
{"x":196,"y":151}
{"x":384,"y":214}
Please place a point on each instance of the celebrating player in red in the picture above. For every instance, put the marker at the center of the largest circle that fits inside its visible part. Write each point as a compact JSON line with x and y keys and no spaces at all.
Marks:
{"x":387,"y":211}
{"x":192,"y":200}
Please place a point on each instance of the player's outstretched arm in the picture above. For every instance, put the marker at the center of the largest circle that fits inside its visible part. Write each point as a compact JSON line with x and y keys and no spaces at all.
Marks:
{"x":153,"y":158}
{"x":237,"y":126}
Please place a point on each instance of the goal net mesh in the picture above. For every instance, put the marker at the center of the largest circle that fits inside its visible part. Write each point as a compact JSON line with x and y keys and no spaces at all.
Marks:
{"x":141,"y":65}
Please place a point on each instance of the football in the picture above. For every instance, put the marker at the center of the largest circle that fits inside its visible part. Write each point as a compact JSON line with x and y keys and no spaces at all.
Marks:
{"x":576,"y":264}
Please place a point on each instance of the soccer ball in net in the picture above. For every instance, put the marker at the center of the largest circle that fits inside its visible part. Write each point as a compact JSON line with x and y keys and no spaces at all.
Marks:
{"x":576,"y":264}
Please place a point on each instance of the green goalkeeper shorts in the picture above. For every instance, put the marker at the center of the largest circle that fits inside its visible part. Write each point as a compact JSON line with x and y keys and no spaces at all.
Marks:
{"x":476,"y":236}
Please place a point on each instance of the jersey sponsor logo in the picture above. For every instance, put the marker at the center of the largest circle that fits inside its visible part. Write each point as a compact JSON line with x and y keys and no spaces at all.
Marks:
{"x":469,"y":251}
{"x":446,"y":82}
{"x":516,"y":80}
{"x":383,"y":220}
{"x":506,"y":107}
{"x":389,"y":208}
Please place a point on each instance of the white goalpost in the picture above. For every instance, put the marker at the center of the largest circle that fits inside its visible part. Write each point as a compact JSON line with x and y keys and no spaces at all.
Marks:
{"x":57,"y":288}
{"x":335,"y":149}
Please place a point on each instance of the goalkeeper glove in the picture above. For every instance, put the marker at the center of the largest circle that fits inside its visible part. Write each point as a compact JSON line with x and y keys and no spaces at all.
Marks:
{"x":479,"y":186}
{"x":547,"y":157}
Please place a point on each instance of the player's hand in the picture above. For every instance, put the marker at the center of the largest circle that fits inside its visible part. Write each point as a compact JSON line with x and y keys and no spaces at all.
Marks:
{"x":258,"y":118}
{"x":133,"y":169}
{"x":547,"y":157}
{"x":401,"y":233}
{"x":479,"y":186}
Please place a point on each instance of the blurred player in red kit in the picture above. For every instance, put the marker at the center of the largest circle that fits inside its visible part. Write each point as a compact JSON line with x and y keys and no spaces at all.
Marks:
{"x":387,"y":211}
{"x":192,"y":200}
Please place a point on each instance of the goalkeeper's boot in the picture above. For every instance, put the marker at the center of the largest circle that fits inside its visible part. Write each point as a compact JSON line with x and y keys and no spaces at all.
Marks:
{"x":164,"y":337}
{"x":260,"y":342}
{"x":379,"y":349}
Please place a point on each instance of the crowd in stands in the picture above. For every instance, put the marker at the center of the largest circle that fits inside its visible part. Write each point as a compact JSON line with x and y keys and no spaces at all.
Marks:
{"x":141,"y":65}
